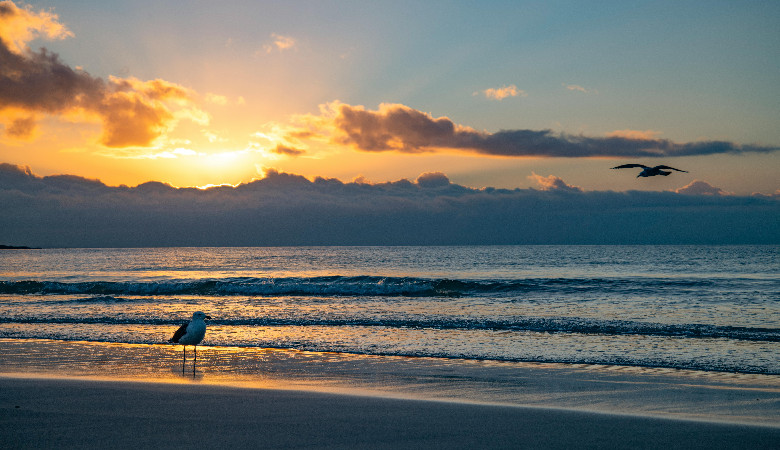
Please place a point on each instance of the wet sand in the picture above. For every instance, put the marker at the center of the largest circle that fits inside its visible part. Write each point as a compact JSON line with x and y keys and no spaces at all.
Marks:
{"x":70,"y":413}
{"x":58,"y":394}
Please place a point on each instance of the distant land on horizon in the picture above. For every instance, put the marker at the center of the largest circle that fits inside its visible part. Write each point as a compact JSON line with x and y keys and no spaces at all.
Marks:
{"x":17,"y":247}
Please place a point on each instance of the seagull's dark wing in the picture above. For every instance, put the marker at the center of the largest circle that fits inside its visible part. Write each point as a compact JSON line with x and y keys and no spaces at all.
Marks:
{"x":179,"y":333}
{"x":630,"y":166}
{"x":670,"y":168}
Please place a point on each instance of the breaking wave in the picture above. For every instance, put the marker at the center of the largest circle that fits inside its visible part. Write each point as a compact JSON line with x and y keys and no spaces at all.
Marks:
{"x":355,"y":286}
{"x":522,"y":324}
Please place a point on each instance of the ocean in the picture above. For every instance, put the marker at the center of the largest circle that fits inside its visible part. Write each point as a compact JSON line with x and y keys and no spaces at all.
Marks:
{"x":705,"y":308}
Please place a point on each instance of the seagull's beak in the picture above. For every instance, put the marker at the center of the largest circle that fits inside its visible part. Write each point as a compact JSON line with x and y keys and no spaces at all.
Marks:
{"x":208,"y":317}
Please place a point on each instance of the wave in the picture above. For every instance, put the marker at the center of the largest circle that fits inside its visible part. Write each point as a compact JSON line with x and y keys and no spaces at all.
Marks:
{"x":356,"y":286}
{"x":527,"y":324}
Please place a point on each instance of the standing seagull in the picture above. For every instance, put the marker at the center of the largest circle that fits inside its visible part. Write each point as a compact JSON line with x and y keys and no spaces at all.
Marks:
{"x":191,"y":334}
{"x":649,"y":171}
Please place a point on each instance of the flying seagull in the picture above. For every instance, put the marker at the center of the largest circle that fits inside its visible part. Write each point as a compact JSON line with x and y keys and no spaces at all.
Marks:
{"x":649,"y":171}
{"x":191,"y":334}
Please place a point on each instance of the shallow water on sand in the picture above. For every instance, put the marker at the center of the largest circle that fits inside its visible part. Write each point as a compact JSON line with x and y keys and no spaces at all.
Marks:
{"x":712,"y":396}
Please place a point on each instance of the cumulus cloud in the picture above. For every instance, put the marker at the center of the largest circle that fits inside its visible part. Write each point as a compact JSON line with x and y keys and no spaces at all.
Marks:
{"x":392,"y":127}
{"x":551,"y":182}
{"x":396,"y":127}
{"x":133,"y":112}
{"x":503,"y":92}
{"x":18,"y":26}
{"x":433,"y":180}
{"x":698,"y":187}
{"x":288,"y":209}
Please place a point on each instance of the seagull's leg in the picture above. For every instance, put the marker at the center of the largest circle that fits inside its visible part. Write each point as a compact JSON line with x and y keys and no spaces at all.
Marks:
{"x":184,"y":359}
{"x":195,"y":361}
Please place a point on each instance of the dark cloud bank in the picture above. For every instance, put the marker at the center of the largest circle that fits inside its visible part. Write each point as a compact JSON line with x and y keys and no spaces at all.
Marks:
{"x":284,"y":209}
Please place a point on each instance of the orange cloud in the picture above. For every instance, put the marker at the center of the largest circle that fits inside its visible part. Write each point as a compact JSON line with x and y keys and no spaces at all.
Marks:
{"x":18,"y":26}
{"x":504,"y":92}
{"x":553,"y":183}
{"x":152,"y":89}
{"x":634,"y":134}
{"x":391,"y":127}
{"x":133,"y":112}
{"x":130,"y":121}
{"x":280,"y":43}
{"x":287,"y":150}
{"x":22,"y":128}
{"x":396,"y":127}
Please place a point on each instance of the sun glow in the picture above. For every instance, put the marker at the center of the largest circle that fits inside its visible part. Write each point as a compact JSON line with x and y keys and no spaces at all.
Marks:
{"x":209,"y":186}
{"x":223,"y":158}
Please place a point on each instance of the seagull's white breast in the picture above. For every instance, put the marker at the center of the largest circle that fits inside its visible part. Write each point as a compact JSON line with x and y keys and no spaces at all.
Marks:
{"x":195,"y":332}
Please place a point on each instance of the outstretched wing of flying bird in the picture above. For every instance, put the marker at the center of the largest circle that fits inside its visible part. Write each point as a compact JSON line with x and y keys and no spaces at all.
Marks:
{"x":670,"y":168}
{"x":630,"y":166}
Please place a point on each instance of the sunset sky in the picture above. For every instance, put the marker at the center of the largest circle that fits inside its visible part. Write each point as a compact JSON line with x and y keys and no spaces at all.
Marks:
{"x":500,"y":94}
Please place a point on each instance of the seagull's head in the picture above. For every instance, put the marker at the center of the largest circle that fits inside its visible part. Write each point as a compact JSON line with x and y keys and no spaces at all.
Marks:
{"x":199,"y":315}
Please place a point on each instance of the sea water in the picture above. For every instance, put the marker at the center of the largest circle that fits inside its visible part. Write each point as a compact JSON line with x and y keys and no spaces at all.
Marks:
{"x":711,"y":308}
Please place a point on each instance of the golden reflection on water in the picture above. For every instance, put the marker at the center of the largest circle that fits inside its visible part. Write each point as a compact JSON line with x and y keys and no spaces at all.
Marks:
{"x":398,"y":341}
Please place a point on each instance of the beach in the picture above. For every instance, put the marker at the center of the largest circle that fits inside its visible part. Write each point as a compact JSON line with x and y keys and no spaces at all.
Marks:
{"x":392,"y":347}
{"x":401,"y":225}
{"x":86,"y":395}
{"x":57,"y":413}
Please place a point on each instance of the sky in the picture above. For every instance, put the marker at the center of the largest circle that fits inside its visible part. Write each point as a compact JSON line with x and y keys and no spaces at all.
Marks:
{"x":531,"y":97}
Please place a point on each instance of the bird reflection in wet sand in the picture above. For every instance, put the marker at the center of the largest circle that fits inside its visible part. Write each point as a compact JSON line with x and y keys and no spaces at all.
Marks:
{"x":191,"y":333}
